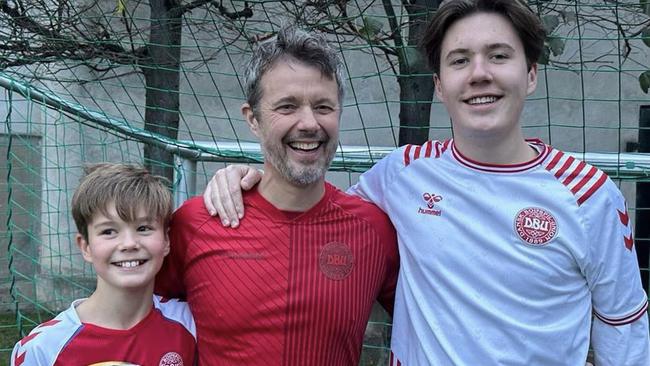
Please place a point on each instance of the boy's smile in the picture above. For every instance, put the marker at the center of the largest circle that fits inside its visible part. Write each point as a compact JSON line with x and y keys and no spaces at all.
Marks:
{"x":125,"y":255}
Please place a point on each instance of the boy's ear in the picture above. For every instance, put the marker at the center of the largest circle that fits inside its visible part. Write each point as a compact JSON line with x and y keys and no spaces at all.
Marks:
{"x":82,"y":243}
{"x":167,"y":248}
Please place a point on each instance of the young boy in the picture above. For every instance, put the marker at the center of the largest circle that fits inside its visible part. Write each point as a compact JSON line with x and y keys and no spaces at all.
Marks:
{"x":122,"y":214}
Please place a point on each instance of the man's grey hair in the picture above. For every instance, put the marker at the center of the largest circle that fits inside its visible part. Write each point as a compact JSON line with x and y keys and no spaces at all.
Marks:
{"x":291,"y":43}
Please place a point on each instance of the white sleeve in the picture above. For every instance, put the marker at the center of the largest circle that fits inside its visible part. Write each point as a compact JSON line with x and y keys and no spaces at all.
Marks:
{"x":373,"y":184}
{"x":620,"y":330}
{"x":625,"y":345}
{"x":31,"y":353}
{"x":176,"y":310}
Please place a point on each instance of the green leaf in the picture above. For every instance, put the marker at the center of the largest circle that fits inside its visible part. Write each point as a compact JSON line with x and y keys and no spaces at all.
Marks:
{"x":569,"y":16}
{"x":645,"y":36}
{"x":550,"y":23}
{"x":556,"y":45}
{"x":644,"y":81}
{"x":371,"y":27}
{"x":645,"y":6}
{"x":544,"y":56}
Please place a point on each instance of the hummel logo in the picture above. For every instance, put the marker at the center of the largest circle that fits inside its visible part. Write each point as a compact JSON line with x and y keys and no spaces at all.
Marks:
{"x":431,"y":199}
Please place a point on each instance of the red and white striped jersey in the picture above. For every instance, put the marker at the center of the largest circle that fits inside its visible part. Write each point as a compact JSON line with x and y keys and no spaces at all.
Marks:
{"x":284,"y":288}
{"x":503,"y":265}
{"x":165,"y":337}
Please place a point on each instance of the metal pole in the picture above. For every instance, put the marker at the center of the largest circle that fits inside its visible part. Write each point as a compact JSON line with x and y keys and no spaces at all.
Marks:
{"x":184,"y":179}
{"x":642,"y":217}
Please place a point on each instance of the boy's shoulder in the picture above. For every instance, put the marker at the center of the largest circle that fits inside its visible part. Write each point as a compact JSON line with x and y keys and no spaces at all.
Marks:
{"x":45,"y":342}
{"x":177,"y":311}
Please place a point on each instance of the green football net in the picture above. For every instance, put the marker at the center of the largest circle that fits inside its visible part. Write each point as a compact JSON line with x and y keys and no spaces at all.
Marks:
{"x":90,"y":81}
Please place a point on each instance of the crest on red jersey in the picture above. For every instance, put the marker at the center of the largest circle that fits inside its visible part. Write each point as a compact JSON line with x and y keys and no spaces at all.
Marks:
{"x":336,"y":261}
{"x":171,"y":359}
{"x":535,"y":226}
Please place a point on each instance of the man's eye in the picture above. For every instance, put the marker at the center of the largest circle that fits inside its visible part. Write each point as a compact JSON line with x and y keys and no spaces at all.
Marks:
{"x":286,"y":108}
{"x":324,"y":109}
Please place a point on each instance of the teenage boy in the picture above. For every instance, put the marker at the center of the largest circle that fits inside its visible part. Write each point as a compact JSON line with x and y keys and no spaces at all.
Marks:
{"x":296,"y":283}
{"x":122,"y":215}
{"x":507,"y":245}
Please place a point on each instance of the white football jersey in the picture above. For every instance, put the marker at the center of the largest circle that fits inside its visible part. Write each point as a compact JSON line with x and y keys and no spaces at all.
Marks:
{"x":503,"y":265}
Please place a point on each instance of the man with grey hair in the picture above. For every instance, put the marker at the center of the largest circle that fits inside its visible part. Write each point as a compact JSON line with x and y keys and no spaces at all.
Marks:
{"x":295,"y":284}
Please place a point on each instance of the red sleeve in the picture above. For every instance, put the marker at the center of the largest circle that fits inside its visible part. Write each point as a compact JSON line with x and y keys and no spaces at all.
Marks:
{"x":184,"y":224}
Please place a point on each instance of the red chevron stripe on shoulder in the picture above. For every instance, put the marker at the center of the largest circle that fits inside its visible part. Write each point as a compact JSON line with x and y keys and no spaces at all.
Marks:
{"x":407,"y":154}
{"x":19,"y":359}
{"x":28,"y":338}
{"x":582,"y":179}
{"x":428,"y":150}
{"x":49,"y":323}
{"x":592,"y":189}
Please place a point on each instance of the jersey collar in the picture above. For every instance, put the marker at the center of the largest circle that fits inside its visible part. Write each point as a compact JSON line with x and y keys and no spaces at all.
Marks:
{"x":536,"y":144}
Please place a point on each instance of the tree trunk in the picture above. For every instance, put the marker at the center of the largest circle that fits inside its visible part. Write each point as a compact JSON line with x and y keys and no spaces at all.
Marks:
{"x":415,"y":81}
{"x":162,"y":78}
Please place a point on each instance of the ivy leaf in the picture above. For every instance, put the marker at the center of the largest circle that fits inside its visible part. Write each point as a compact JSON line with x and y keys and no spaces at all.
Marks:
{"x":645,"y":36}
{"x":644,"y":81}
{"x":645,"y":6}
{"x":550,"y":23}
{"x":371,"y":28}
{"x":569,"y":16}
{"x":556,"y":45}
{"x":544,"y":56}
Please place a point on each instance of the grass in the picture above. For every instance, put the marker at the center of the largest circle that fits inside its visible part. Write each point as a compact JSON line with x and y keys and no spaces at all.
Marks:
{"x":8,"y":336}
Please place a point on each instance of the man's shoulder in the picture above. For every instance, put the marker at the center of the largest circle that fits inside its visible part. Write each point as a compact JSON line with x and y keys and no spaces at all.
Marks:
{"x":359,"y":208}
{"x":192,"y":212}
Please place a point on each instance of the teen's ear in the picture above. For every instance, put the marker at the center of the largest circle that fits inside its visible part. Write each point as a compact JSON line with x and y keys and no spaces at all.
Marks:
{"x":249,"y":116}
{"x":437,"y":83}
{"x":84,"y":248}
{"x":532,"y":79}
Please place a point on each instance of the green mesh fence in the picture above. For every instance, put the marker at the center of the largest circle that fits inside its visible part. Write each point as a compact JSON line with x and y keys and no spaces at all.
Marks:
{"x":87,"y":81}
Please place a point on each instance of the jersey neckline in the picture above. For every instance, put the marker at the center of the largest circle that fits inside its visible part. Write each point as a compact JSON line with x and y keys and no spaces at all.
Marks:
{"x":537,"y":144}
{"x":257,"y":199}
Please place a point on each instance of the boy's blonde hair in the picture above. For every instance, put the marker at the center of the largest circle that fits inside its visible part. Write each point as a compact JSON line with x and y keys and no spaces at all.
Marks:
{"x":129,"y":187}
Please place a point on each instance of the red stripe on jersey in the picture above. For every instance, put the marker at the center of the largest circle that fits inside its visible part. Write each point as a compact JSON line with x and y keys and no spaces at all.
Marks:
{"x":574,"y":173}
{"x":584,"y":180}
{"x":592,"y":189}
{"x":445,"y":145}
{"x":624,"y":320}
{"x":416,"y":154}
{"x":429,"y":145}
{"x":19,"y":359}
{"x":392,"y":356}
{"x":407,"y":155}
{"x":565,"y":166}
{"x":28,"y":338}
{"x":555,"y":160}
{"x":437,"y":148}
{"x":49,"y":323}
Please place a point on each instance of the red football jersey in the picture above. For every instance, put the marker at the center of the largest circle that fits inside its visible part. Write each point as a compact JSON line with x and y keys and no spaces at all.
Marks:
{"x":165,"y":337}
{"x":284,"y":288}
